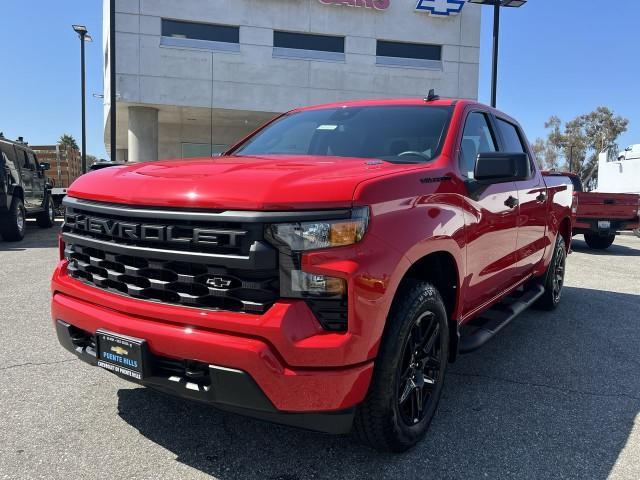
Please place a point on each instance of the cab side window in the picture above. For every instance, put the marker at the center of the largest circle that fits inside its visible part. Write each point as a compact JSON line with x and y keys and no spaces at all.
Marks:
{"x":476,"y":138}
{"x":512,"y":140}
{"x":23,"y":160}
{"x":510,"y":136}
{"x":33,"y":163}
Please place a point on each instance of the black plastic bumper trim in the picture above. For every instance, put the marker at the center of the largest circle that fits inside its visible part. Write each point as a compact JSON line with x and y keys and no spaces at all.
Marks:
{"x":230,"y":390}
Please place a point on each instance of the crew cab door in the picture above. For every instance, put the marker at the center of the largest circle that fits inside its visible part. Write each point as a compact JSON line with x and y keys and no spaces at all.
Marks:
{"x":532,"y":196}
{"x":491,"y":216}
{"x":39,"y":179}
{"x":26,"y":174}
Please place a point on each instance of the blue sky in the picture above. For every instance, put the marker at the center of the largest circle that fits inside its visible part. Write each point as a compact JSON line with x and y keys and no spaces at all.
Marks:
{"x":565,"y":57}
{"x":562,"y":57}
{"x":40,"y":95}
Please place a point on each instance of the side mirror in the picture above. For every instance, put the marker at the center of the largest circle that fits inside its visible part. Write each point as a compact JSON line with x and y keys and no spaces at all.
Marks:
{"x":494,"y":167}
{"x":45,"y":166}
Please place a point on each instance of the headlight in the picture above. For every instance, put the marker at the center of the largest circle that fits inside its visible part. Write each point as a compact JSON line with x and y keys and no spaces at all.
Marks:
{"x":304,"y":236}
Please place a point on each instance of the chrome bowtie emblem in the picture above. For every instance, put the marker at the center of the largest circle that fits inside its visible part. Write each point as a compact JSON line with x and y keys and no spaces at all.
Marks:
{"x":219,"y":282}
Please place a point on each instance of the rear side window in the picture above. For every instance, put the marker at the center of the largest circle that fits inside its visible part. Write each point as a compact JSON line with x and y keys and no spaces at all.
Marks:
{"x":477,"y":138}
{"x":510,"y":137}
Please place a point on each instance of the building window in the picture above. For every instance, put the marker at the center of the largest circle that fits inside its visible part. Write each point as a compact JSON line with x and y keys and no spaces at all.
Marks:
{"x":419,"y":55}
{"x":207,"y":36}
{"x":308,"y":46}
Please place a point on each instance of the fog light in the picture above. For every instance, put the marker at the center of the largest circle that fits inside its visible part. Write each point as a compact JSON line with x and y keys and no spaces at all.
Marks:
{"x":310,"y":284}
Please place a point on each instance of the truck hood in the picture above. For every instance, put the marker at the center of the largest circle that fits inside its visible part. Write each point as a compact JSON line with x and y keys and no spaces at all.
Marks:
{"x":236,"y":183}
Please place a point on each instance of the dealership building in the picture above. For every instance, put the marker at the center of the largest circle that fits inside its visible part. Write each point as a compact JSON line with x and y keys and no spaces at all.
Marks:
{"x":194,"y":76}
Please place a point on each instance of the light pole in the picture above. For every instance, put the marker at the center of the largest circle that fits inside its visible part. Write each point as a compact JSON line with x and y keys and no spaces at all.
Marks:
{"x":82,"y":32}
{"x":496,"y":38}
{"x":112,"y":77}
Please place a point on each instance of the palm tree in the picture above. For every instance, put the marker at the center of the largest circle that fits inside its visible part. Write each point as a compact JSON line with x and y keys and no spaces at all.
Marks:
{"x":67,"y":140}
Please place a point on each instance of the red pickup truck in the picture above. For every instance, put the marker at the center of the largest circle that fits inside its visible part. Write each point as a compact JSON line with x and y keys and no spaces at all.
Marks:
{"x":600,"y":216}
{"x":324,"y":271}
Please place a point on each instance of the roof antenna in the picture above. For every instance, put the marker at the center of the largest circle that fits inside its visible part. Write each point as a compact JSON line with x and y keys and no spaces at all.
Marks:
{"x":432,"y":96}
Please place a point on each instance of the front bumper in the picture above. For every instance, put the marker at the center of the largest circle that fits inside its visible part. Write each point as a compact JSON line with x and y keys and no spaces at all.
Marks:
{"x":228,"y":389}
{"x":300,"y":368}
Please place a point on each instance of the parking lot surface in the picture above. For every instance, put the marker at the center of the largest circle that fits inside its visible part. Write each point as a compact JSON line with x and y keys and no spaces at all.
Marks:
{"x":555,"y":395}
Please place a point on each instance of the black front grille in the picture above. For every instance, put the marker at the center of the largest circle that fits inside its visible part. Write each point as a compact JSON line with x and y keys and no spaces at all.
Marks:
{"x":174,"y":260}
{"x":190,"y":284}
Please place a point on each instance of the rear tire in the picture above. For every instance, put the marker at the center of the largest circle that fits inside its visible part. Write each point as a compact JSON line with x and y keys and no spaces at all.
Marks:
{"x":47,"y":218}
{"x":597,"y":242}
{"x":409,"y":372}
{"x":14,"y":223}
{"x":554,"y":278}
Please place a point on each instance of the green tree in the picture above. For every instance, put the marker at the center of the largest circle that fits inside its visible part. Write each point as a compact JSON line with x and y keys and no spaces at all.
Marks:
{"x":67,"y":140}
{"x":91,"y":159}
{"x":576,"y":145}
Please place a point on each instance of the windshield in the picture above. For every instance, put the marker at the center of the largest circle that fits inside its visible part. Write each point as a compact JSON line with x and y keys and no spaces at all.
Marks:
{"x":394,"y":133}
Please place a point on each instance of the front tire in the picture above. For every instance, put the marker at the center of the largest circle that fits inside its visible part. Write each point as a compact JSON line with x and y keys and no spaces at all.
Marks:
{"x":47,"y":218}
{"x":14,"y":224}
{"x":554,"y":278}
{"x":409,"y":372}
{"x":597,"y":242}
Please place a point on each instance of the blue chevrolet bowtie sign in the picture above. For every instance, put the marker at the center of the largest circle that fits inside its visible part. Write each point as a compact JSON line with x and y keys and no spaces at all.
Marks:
{"x":440,"y":7}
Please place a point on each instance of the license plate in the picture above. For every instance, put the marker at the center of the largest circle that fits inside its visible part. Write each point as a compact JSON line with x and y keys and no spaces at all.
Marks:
{"x":604,"y":224}
{"x":121,"y":354}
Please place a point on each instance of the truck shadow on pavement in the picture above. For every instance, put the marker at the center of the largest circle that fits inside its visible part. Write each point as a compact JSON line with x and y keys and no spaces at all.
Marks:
{"x":35,"y":238}
{"x":617,"y":250}
{"x":555,"y":395}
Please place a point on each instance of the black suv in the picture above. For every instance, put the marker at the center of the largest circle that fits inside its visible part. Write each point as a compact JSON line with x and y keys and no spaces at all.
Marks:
{"x":24,"y":191}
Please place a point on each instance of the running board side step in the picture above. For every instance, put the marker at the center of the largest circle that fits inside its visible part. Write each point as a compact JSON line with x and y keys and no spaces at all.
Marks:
{"x":480,"y":330}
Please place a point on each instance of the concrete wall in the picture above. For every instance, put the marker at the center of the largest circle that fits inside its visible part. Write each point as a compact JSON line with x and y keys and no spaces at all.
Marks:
{"x":252,"y":80}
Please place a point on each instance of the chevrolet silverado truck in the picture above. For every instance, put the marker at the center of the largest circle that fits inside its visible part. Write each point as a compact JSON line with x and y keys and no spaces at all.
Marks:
{"x":601,"y":216}
{"x":324,"y":271}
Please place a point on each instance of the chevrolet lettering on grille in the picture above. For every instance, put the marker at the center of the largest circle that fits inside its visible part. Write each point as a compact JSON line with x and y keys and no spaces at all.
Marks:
{"x":153,"y":233}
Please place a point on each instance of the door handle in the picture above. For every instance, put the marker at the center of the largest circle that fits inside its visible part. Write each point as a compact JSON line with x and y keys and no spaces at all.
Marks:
{"x":511,"y":202}
{"x":541,"y":198}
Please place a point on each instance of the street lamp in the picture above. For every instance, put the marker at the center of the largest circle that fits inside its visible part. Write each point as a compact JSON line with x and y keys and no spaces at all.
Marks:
{"x":496,"y":35}
{"x":82,"y":32}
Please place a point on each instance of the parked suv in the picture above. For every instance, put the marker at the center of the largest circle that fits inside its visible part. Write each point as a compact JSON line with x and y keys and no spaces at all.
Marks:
{"x":323,"y":272}
{"x":24,"y":191}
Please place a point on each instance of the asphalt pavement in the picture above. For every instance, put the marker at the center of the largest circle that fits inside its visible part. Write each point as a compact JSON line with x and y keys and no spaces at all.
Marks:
{"x":555,"y":395}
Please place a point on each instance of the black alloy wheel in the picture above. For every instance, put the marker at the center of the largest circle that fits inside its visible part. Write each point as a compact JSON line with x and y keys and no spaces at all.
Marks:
{"x":420,"y":369}
{"x":409,"y":371}
{"x":553,"y":280}
{"x":557,"y":279}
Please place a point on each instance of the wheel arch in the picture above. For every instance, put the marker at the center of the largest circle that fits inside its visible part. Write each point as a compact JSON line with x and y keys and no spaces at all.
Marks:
{"x":441,"y":269}
{"x":565,"y":230}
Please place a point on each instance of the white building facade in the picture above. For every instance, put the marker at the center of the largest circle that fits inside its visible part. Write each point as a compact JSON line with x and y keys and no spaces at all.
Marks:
{"x":195,"y":76}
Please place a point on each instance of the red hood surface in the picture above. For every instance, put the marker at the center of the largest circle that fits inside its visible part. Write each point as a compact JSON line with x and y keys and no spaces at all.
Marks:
{"x":236,"y":183}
